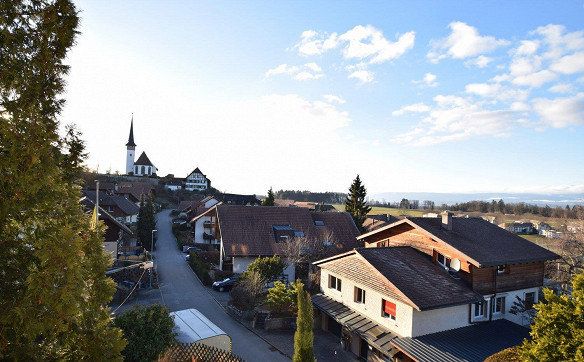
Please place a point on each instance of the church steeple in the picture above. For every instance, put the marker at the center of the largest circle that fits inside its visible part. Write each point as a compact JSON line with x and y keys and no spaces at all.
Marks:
{"x":131,"y":137}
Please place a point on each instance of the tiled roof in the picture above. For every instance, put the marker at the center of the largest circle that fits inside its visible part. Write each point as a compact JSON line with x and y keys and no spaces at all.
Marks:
{"x":125,"y":205}
{"x":143,"y":160}
{"x":89,"y":204}
{"x":138,"y":190}
{"x":374,"y":222}
{"x":481,"y":241}
{"x":402,"y":273}
{"x":467,"y":344}
{"x":248,"y":230}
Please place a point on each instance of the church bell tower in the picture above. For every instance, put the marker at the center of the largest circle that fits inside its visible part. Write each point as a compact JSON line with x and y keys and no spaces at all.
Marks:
{"x":130,"y":148}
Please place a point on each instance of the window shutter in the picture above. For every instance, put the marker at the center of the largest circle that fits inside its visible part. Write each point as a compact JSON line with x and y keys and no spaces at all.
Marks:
{"x":389,"y":308}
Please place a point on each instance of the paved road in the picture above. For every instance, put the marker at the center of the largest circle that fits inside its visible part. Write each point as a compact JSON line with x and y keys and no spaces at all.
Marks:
{"x":182,"y":290}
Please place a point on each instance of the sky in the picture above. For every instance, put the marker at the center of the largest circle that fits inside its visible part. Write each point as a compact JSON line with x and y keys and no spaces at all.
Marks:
{"x":412,"y":96}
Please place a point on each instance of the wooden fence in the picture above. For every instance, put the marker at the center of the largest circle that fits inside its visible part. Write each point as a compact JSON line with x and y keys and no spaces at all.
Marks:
{"x":196,"y":352}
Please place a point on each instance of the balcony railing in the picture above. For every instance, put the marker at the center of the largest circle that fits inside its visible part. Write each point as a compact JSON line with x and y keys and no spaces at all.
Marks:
{"x":208,"y":224}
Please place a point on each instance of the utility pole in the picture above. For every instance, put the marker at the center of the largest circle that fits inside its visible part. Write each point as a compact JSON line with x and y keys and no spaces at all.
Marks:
{"x":152,"y":255}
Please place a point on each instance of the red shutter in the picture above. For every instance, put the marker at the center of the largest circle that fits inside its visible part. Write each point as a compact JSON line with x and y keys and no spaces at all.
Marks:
{"x":389,"y":307}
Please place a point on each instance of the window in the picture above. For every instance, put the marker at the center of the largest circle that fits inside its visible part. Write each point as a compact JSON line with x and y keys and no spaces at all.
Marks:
{"x":388,"y":309}
{"x":498,"y":306}
{"x":480,"y":310}
{"x":442,"y":260}
{"x":359,"y":295}
{"x":334,"y":283}
{"x":318,"y":223}
{"x":501,"y":269}
{"x":529,"y":300}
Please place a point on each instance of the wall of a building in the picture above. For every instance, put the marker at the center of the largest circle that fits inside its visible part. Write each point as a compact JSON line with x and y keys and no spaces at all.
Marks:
{"x":442,"y":319}
{"x":373,"y":303}
{"x":130,"y":160}
{"x":511,"y":297}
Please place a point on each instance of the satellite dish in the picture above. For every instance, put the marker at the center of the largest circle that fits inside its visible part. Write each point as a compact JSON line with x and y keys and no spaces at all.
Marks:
{"x":455,"y":264}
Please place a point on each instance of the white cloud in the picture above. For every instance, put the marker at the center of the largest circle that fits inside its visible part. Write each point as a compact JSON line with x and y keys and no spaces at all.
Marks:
{"x":495,"y":91}
{"x":561,"y":88}
{"x":411,"y":108}
{"x":561,"y":112}
{"x":536,"y":79}
{"x":331,"y":98}
{"x":363,"y":76}
{"x":520,"y":106}
{"x":558,"y":41}
{"x":569,"y":64}
{"x":481,"y":61}
{"x":362,"y":42}
{"x":313,"y":43}
{"x":526,"y":47}
{"x":368,"y":42}
{"x":463,"y":42}
{"x":309,"y":71}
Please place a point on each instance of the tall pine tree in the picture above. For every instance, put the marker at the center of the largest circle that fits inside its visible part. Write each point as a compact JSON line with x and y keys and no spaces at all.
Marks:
{"x":53,"y":289}
{"x":304,"y":335}
{"x":270,"y":199}
{"x":355,"y":204}
{"x":146,"y":223}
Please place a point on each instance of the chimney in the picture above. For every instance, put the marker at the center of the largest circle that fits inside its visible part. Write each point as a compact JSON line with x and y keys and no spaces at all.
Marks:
{"x":447,"y":220}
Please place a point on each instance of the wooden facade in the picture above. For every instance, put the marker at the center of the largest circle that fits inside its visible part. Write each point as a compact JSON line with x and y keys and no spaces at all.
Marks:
{"x":483,"y":280}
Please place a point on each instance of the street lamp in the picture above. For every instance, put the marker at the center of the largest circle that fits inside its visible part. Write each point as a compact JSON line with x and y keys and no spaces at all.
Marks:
{"x":152,"y":255}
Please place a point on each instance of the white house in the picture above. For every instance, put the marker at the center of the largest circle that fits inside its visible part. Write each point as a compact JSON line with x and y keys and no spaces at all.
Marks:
{"x":197,"y":181}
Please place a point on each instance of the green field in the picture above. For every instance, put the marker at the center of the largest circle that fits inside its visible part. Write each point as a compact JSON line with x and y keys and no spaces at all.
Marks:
{"x":376,"y":210}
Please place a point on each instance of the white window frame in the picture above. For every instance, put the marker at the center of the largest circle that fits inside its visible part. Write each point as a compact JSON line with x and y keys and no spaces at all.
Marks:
{"x":534,"y":298}
{"x":335,"y":283}
{"x":356,"y":295}
{"x":484,"y":309}
{"x":494,"y":304}
{"x":444,"y":264}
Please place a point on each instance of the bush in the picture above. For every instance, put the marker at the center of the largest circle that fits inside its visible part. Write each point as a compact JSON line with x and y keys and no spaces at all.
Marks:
{"x":268,"y":268}
{"x":209,"y":257}
{"x":200,"y":268}
{"x":148,"y":331}
{"x":282,"y":300}
{"x":246,"y":294}
{"x":221,"y":275}
{"x":506,"y":355}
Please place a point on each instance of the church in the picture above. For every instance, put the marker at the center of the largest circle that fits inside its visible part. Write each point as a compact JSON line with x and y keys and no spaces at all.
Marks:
{"x":142,"y":166}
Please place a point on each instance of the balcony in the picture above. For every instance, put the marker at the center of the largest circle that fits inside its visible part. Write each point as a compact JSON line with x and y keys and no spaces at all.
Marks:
{"x":208,"y":237}
{"x":208,"y":224}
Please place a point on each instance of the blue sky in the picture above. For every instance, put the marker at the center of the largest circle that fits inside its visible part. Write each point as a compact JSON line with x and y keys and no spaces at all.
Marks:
{"x":414,"y":96}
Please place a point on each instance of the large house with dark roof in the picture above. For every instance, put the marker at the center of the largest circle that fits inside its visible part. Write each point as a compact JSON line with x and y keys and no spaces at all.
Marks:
{"x":119,"y":207}
{"x":197,"y":181}
{"x":244,"y":233}
{"x":422,"y":285}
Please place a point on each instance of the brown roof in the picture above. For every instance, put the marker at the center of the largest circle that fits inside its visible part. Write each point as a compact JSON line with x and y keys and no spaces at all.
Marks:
{"x":249,"y":230}
{"x":138,"y":190}
{"x":143,"y":160}
{"x":402,"y":273}
{"x":374,"y":222}
{"x":483,"y":242}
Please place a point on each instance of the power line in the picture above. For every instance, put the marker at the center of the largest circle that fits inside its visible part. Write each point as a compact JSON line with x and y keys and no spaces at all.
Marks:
{"x":132,"y":291}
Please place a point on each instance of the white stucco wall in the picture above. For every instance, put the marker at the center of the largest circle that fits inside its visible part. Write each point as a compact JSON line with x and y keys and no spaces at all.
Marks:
{"x":510,"y":297}
{"x":240,"y":265}
{"x":200,"y":229}
{"x":372,"y":307}
{"x":129,"y":160}
{"x":442,"y":319}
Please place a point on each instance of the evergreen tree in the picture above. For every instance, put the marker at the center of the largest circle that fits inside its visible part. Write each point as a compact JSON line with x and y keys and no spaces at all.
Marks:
{"x":53,"y":289}
{"x":355,"y":203}
{"x":269,"y":201}
{"x":304,"y":335}
{"x":146,"y":223}
{"x":557,"y":333}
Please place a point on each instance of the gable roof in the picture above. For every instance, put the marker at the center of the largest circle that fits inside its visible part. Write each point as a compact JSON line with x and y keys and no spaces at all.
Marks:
{"x":88,"y":204}
{"x":248,"y":230}
{"x":374,"y":222}
{"x":143,"y":160}
{"x":125,"y":205}
{"x":404,"y":274}
{"x":485,"y":244}
{"x":138,"y":190}
{"x":196,"y":170}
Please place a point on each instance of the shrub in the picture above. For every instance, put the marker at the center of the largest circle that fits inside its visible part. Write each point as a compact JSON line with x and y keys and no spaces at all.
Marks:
{"x":200,"y":268}
{"x":209,"y":257}
{"x":281,"y":300}
{"x":246,"y":294}
{"x":506,"y":355}
{"x":148,"y":331}
{"x":268,"y":268}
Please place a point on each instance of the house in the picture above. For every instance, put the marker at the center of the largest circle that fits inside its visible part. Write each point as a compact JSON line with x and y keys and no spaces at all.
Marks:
{"x":135,"y":191}
{"x":542,"y":227}
{"x":119,"y":207}
{"x":172,"y":183}
{"x":244,"y":233}
{"x":373,"y":222}
{"x":422,"y":285}
{"x":141,"y":167}
{"x":521,"y":228}
{"x":116,"y":233}
{"x":197,"y":181}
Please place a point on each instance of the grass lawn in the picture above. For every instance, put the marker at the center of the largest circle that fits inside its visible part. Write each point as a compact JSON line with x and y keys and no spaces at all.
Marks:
{"x":376,"y":210}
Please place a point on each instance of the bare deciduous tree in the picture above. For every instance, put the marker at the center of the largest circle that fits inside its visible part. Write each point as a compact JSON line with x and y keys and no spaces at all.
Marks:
{"x":571,"y":250}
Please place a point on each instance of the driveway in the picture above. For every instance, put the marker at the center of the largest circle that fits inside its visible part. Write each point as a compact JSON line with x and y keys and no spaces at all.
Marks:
{"x":180,"y":289}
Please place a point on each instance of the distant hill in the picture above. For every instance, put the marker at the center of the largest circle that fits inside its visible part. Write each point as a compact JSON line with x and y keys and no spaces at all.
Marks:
{"x":452,"y":198}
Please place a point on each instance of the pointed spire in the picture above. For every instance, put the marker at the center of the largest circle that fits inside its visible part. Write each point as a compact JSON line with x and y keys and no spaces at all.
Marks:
{"x":131,"y":138}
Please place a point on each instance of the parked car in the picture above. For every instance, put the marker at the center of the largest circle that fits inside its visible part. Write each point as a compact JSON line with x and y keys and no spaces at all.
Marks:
{"x":226,"y":284}
{"x":188,"y":250}
{"x":179,"y":221}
